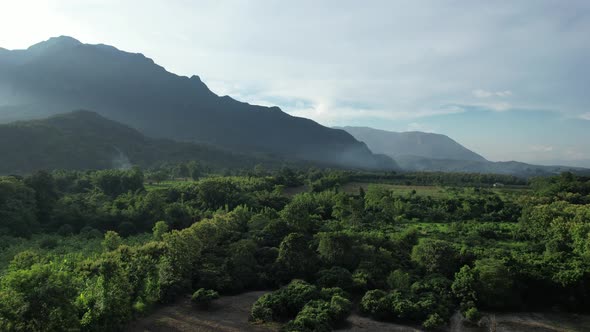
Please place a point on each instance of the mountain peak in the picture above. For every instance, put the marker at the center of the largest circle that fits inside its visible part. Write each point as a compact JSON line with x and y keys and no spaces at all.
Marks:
{"x":60,"y":41}
{"x":62,"y":73}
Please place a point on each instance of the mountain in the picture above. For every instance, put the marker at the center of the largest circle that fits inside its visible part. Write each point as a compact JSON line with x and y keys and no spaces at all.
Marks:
{"x":472,"y":166}
{"x":85,"y":140}
{"x":64,"y":74}
{"x":412,"y":143}
{"x":419,"y":151}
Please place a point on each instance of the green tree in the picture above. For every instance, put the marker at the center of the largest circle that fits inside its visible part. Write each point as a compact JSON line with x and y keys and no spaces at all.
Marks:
{"x":17,"y":208}
{"x":495,"y":282}
{"x":160,"y":228}
{"x":46,"y":194}
{"x":436,"y":256}
{"x":296,"y":258}
{"x":40,"y":298}
{"x":111,"y":241}
{"x":203,"y":297}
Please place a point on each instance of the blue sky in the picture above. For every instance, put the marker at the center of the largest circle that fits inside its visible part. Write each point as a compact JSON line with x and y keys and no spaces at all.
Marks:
{"x":509,"y":79}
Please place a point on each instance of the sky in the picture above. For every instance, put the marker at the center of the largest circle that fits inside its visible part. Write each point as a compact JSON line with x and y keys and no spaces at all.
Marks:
{"x":508,"y":79}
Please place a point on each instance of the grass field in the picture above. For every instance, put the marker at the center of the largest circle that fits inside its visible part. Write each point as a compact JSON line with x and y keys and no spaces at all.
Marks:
{"x":434,"y":191}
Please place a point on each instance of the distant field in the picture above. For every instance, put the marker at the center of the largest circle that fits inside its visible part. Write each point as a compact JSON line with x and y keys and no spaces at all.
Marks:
{"x":164,"y":184}
{"x":353,"y":188}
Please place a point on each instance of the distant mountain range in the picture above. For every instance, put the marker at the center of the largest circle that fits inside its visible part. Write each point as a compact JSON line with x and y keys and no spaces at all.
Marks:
{"x":145,"y":114}
{"x":419,"y":151}
{"x":412,"y":143}
{"x":64,"y":74}
{"x":85,"y":140}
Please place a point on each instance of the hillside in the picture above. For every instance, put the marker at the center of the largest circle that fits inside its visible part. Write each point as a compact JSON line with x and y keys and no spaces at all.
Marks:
{"x":86,"y":140}
{"x":64,"y":74}
{"x":412,"y":143}
{"x":419,"y":151}
{"x":500,"y":167}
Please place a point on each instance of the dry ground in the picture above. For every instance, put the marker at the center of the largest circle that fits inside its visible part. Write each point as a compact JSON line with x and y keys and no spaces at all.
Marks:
{"x":227,"y":314}
{"x":230,"y":314}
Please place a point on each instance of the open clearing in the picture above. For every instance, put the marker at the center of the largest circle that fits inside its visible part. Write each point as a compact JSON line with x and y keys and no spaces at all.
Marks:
{"x":227,"y":314}
{"x":230,"y":314}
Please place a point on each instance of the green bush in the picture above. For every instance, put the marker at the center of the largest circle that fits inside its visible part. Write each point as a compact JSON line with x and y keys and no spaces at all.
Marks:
{"x":472,"y":314}
{"x":373,"y":303}
{"x":203,"y":297}
{"x":283,"y":303}
{"x":433,"y":321}
{"x":315,"y":316}
{"x":335,"y":277}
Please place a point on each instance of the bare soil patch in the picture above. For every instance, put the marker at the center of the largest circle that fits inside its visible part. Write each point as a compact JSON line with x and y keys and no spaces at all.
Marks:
{"x":230,"y":314}
{"x":227,"y":314}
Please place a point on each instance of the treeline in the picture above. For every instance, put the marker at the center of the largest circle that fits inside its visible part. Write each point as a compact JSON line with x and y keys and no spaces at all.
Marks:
{"x":406,"y":258}
{"x":440,"y":179}
{"x":70,"y":202}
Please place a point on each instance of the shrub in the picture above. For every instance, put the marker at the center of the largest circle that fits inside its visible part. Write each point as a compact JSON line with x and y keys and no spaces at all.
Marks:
{"x":472,"y":314}
{"x":399,"y":280}
{"x":315,"y":316}
{"x":65,"y":230}
{"x":160,"y":228}
{"x":320,"y":315}
{"x":111,"y":241}
{"x":327,"y":293}
{"x":433,"y":321}
{"x":88,"y":232}
{"x":139,"y":307}
{"x":203,"y":297}
{"x":340,"y":308}
{"x":335,"y":277}
{"x":436,"y":256}
{"x":48,"y":243}
{"x":372,"y":303}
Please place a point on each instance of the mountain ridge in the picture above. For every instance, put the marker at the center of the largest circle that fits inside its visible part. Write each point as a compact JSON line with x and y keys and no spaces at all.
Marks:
{"x":60,"y":74}
{"x":445,"y":156}
{"x":77,"y":140}
{"x":414,"y":143}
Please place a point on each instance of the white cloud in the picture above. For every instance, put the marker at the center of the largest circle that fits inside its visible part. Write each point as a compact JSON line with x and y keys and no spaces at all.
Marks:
{"x":482,"y":93}
{"x":542,"y":148}
{"x":479,"y":93}
{"x":499,"y":107}
{"x":391,"y":62}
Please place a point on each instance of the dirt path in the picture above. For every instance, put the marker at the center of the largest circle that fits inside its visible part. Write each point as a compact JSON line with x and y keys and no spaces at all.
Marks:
{"x":227,"y":314}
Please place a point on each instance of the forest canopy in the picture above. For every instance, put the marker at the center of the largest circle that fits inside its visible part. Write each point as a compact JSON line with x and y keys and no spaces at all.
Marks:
{"x":91,"y":251}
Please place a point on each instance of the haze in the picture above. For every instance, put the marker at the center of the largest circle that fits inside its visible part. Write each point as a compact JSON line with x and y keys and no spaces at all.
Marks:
{"x":506,"y":79}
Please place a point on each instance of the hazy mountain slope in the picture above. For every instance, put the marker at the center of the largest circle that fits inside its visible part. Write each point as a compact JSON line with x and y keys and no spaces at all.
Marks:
{"x":86,"y":140}
{"x":465,"y":166}
{"x":413,"y":143}
{"x":418,"y":151}
{"x":62,"y":73}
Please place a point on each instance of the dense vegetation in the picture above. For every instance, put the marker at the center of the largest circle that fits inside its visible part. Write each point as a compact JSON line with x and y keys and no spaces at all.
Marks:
{"x":77,"y":141}
{"x":91,"y":251}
